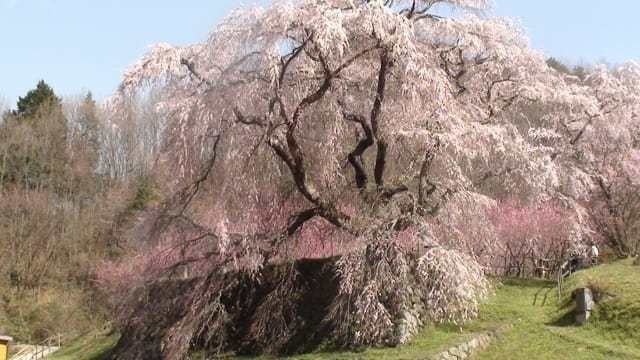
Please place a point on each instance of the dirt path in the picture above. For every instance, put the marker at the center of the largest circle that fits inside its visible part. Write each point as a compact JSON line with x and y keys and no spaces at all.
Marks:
{"x":34,"y":352}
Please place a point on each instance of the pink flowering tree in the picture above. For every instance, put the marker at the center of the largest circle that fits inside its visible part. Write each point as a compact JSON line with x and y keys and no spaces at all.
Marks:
{"x":603,"y":153}
{"x":531,"y":236}
{"x":365,"y":128}
{"x":616,"y":206}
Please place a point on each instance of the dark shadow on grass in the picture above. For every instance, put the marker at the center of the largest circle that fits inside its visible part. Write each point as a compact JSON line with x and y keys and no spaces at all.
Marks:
{"x":532,"y":283}
{"x":541,"y":296}
{"x":565,"y":320}
{"x":105,"y":355}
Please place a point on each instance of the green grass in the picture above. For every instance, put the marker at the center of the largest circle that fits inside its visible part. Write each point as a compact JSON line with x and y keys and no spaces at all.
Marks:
{"x":431,"y":340}
{"x":539,"y":324}
{"x":93,"y":346}
{"x":618,"y":312}
{"x":544,"y":330}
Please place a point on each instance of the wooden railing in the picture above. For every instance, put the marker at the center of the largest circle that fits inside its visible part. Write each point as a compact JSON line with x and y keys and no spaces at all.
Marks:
{"x":569,"y":267}
{"x":40,"y":350}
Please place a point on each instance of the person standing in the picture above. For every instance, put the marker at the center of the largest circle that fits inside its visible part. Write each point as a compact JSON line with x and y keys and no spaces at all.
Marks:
{"x":594,"y":254}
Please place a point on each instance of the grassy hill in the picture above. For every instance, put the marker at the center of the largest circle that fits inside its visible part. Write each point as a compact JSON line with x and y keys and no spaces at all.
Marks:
{"x":543,"y":326}
{"x":93,"y":346}
{"x":540,"y":323}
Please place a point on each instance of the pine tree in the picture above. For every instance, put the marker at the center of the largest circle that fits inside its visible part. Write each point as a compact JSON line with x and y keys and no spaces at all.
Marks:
{"x":33,"y":142}
{"x":42,"y":95}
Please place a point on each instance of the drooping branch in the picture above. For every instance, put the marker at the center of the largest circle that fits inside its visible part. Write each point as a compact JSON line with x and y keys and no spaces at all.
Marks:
{"x":415,"y":14}
{"x":310,"y":100}
{"x":186,"y":195}
{"x":613,"y":230}
{"x":296,"y":154}
{"x":329,"y":76}
{"x":195,"y":187}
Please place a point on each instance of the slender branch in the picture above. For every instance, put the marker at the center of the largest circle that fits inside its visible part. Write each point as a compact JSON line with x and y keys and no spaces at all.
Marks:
{"x":195,"y":187}
{"x":285,"y":63}
{"x":584,"y":128}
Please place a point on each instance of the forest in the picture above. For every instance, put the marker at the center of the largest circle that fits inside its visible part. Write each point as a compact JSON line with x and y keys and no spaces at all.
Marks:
{"x":314,"y":172}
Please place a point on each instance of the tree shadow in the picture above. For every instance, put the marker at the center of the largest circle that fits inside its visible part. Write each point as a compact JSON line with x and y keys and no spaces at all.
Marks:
{"x":530,"y":283}
{"x":565,"y":320}
{"x":541,"y":296}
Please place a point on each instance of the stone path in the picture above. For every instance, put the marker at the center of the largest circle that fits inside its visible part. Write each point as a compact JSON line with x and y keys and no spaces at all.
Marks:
{"x":465,"y":350}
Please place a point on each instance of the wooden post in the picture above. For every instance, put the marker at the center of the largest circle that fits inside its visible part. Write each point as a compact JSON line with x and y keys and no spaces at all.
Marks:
{"x":4,"y":347}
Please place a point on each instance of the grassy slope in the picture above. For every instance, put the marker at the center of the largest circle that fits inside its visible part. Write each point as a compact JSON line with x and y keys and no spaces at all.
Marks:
{"x":544,"y":331}
{"x":540,"y":324}
{"x":94,"y":346}
{"x":31,"y":316}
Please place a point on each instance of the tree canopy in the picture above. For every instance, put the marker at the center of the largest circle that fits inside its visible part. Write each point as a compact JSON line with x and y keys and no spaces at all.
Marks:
{"x":42,"y":95}
{"x":412,"y":142}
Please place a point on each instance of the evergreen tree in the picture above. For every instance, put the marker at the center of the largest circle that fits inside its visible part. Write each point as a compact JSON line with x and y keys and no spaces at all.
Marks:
{"x":33,"y":142}
{"x":42,"y":95}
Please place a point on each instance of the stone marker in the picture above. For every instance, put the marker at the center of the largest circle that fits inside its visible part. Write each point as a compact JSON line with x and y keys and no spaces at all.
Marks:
{"x":584,"y":305}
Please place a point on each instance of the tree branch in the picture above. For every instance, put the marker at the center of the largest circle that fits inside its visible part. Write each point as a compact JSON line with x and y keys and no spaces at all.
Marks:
{"x":376,"y":110}
{"x":296,"y":221}
{"x":422,"y":177}
{"x":355,"y":156}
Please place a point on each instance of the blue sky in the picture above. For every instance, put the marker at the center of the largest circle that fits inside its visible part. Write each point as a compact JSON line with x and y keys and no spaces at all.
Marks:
{"x":78,"y":45}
